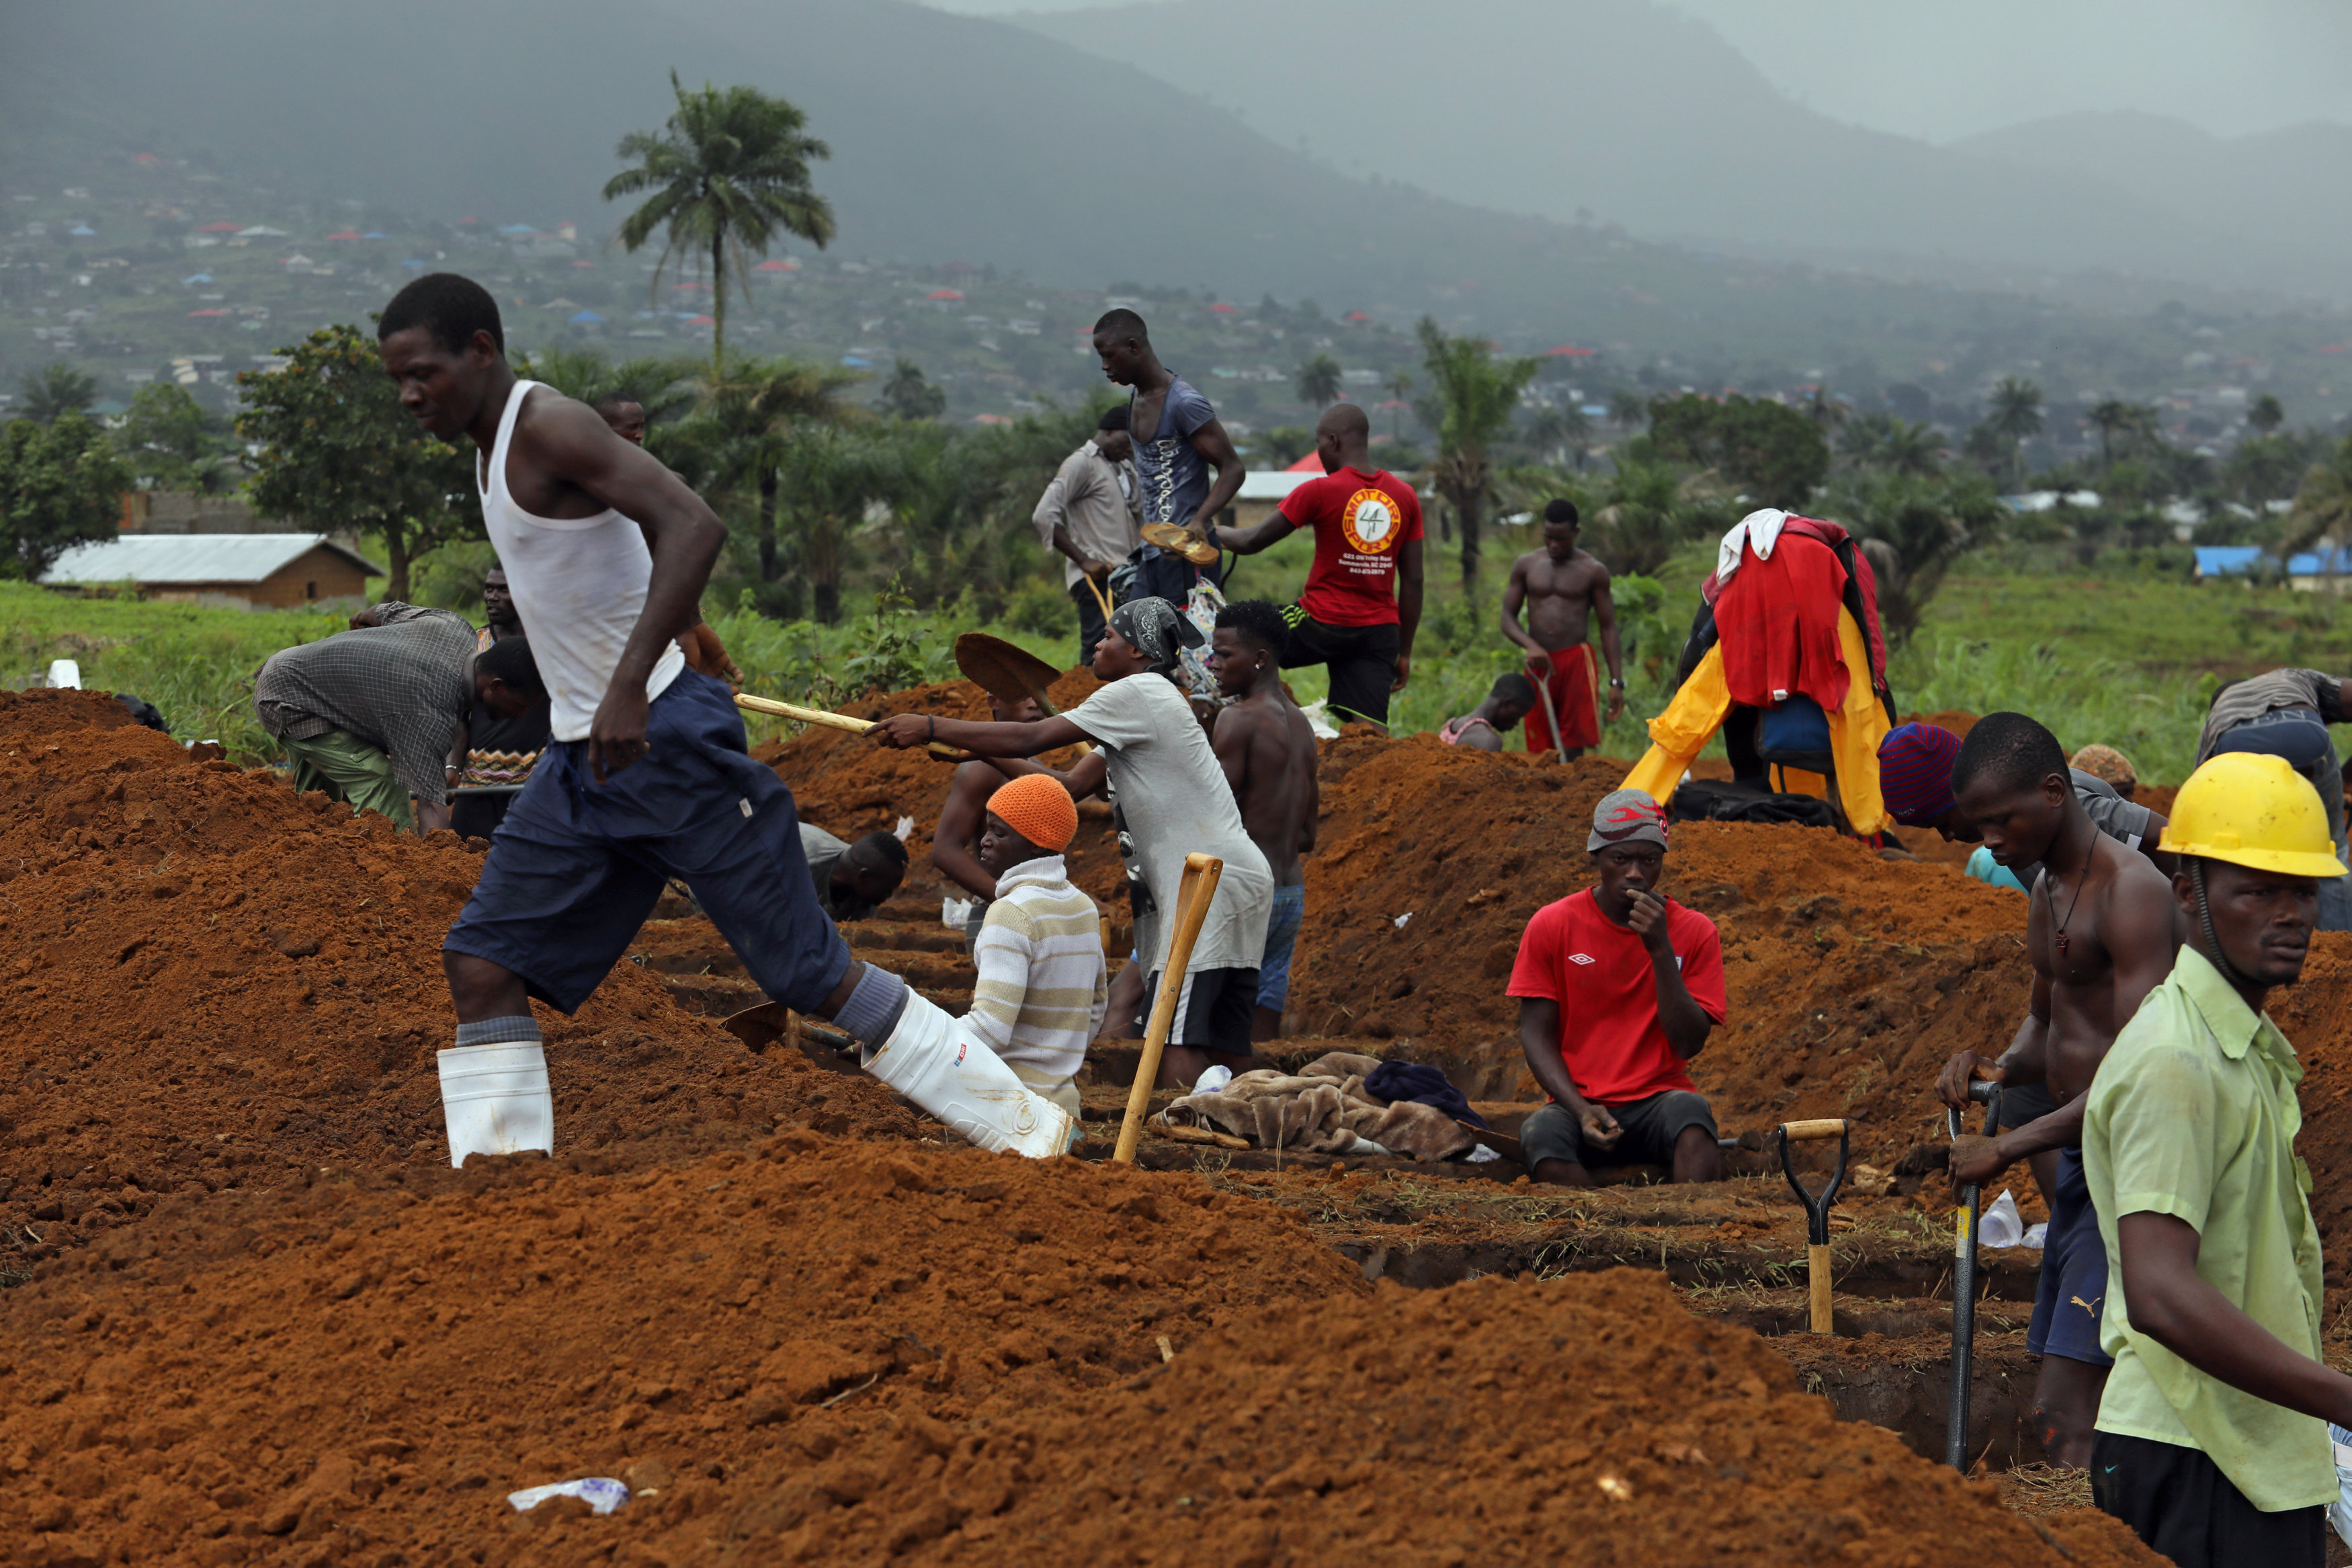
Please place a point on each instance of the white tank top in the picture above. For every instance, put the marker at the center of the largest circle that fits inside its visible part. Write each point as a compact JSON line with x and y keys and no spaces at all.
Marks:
{"x":579,"y":584}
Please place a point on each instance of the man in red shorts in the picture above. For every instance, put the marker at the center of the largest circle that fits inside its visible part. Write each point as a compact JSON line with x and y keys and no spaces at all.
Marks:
{"x":1619,"y":987}
{"x":1362,"y":602}
{"x":1564,"y":589}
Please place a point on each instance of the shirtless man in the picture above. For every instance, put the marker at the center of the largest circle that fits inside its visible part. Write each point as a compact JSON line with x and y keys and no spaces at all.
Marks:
{"x":1267,"y":749}
{"x":647,"y":775}
{"x":1562,"y":587}
{"x":2099,"y":929}
{"x":1177,"y":439}
{"x":955,"y":842}
{"x":1508,"y":701}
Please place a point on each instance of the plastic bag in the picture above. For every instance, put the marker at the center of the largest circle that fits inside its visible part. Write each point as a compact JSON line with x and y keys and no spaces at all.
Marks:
{"x":2339,"y":1512}
{"x":602,"y":1493}
{"x":2000,"y":1225}
{"x":954,"y":912}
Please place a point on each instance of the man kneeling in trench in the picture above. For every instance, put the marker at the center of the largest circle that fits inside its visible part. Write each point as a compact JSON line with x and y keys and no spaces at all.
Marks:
{"x":1617,"y":988}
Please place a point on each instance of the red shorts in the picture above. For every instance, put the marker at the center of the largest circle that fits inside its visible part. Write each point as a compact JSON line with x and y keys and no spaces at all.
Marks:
{"x":1574,"y":674}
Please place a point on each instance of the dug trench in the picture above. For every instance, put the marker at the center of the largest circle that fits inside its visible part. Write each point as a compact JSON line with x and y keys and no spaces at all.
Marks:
{"x":252,"y":1316}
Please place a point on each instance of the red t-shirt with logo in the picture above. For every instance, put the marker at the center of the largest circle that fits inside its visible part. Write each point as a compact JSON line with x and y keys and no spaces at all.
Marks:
{"x":1598,"y":972}
{"x":1359,"y":519}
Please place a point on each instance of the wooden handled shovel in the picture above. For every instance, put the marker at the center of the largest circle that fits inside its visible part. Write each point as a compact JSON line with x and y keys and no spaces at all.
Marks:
{"x":1194,"y":893}
{"x":826,"y":720}
{"x":1817,"y":1209}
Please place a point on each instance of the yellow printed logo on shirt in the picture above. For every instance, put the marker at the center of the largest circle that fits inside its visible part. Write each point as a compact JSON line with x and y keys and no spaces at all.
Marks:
{"x":1369,"y":520}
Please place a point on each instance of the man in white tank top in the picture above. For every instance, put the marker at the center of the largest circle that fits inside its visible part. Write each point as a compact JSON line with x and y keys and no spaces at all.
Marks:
{"x":646,"y":777}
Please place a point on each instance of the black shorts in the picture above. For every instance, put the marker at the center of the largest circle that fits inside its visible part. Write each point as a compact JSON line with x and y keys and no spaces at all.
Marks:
{"x":2178,"y":1501}
{"x":1651,"y":1128}
{"x":476,"y":814}
{"x":1214,"y":1011}
{"x":1362,"y":660}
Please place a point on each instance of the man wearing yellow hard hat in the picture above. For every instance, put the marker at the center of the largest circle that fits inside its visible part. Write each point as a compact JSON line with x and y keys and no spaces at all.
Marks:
{"x":2211,"y":1441}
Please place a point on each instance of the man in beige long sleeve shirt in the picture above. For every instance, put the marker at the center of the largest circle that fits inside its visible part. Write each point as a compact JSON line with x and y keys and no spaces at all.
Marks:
{"x":1089,"y":514}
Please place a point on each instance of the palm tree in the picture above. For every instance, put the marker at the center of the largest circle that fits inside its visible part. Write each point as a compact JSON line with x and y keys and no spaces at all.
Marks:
{"x":1910,"y":447}
{"x":1475,"y":396}
{"x":1627,"y":408}
{"x":742,"y":419}
{"x":1399,"y":386}
{"x":2267,"y":413}
{"x":2115,"y":417}
{"x":57,"y":388}
{"x":728,"y":171}
{"x":835,"y":478}
{"x":1318,"y":380}
{"x":2322,"y":505}
{"x":2016,"y":410}
{"x":661,"y":386}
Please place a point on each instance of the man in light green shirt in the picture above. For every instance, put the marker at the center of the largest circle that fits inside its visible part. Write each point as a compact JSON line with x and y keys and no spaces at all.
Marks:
{"x":2211,"y":1441}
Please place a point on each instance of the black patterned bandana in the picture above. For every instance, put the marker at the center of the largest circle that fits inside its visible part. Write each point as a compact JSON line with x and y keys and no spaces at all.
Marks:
{"x":1159,"y":631}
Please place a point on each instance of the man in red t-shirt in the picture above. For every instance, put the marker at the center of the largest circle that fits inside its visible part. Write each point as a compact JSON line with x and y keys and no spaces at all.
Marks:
{"x":1618,"y":988}
{"x":1362,"y":602}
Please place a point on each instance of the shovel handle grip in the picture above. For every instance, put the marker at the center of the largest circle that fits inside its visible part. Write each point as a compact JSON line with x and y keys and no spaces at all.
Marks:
{"x":1193,"y":894}
{"x":824,"y":719}
{"x":1823,"y":1127}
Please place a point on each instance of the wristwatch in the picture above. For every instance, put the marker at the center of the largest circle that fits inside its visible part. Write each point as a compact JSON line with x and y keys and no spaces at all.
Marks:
{"x":1616,"y":681}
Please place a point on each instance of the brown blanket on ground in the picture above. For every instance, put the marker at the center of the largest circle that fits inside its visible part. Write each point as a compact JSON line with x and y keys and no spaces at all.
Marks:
{"x":1323,"y":1110}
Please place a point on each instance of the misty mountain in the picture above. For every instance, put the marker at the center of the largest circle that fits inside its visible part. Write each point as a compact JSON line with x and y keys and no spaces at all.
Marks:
{"x":953,"y":137}
{"x":2273,"y":188}
{"x":1646,"y":117}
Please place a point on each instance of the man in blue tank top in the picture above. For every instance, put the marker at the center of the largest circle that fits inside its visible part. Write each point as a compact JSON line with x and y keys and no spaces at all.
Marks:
{"x":646,"y":775}
{"x":1177,"y":440}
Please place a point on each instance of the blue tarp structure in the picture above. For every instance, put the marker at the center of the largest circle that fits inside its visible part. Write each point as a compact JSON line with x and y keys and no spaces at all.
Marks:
{"x":2241,"y":560}
{"x":590,"y":316}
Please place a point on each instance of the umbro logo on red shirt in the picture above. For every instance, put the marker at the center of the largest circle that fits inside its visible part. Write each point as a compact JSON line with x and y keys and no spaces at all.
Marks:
{"x":1581,"y":958}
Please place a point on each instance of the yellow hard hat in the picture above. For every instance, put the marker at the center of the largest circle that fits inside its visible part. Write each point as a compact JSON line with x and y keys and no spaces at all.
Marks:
{"x":2253,"y":809}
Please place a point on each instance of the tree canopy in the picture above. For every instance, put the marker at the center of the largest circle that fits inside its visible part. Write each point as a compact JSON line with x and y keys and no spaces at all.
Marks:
{"x":1772,"y":452}
{"x":1473,"y":395}
{"x":62,"y":485}
{"x":339,"y":454}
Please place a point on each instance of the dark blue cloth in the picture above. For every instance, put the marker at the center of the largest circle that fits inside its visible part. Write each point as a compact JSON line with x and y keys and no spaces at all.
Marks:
{"x":577,"y":866}
{"x":2074,"y":1290}
{"x":1394,"y":1081}
{"x":2296,"y":734}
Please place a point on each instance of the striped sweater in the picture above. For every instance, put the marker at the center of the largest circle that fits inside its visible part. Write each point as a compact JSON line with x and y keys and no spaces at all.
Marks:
{"x":1042,"y":986}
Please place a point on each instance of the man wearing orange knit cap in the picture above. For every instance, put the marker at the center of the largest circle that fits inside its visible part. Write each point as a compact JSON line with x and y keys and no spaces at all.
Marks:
{"x":1042,"y":986}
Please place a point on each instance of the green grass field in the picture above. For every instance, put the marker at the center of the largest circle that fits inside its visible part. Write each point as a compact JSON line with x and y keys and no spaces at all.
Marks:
{"x":2128,"y":660}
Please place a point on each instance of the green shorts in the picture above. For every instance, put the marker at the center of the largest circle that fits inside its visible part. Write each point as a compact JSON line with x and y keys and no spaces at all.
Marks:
{"x":348,"y":768}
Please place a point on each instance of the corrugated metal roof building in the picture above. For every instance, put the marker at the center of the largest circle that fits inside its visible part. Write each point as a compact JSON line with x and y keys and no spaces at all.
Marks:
{"x":249,"y":571}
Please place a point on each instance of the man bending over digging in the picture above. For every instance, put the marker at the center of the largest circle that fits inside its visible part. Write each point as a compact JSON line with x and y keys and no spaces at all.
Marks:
{"x":1618,"y":987}
{"x":2099,"y":930}
{"x":646,"y":775}
{"x":1170,"y":799}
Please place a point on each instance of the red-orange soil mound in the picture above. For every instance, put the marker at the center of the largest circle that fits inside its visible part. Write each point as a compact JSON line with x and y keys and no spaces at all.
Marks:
{"x":340,"y":1370}
{"x":211,"y":978}
{"x":1588,"y":1419}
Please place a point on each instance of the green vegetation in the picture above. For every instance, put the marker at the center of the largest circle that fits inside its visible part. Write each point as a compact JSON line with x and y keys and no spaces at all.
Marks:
{"x":62,"y":485}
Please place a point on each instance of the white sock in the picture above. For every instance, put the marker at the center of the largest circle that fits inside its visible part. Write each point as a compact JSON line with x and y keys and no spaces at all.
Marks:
{"x":495,"y":1100}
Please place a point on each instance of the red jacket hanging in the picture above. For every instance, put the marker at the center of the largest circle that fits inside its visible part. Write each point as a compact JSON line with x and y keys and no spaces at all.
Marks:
{"x":1778,"y":621}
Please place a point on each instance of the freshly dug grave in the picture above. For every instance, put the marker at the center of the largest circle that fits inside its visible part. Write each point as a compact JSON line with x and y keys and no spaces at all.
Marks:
{"x":848,"y":785}
{"x":357,"y":1368}
{"x":213,"y":979}
{"x":1850,"y":977}
{"x":1588,"y":1419}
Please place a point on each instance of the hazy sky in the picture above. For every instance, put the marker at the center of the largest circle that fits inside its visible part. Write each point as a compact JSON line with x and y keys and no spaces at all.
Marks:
{"x":1947,"y":68}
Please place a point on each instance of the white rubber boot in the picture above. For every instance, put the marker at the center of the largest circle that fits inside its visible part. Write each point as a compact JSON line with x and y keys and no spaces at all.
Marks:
{"x":962,"y":1082}
{"x":496,"y":1102}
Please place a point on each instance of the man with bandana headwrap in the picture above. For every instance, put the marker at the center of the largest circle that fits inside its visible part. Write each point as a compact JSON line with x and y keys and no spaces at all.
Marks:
{"x":1170,"y":797}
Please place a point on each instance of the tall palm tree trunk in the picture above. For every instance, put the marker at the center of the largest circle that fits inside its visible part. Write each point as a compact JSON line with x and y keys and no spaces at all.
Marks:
{"x":718,"y":297}
{"x":767,"y":504}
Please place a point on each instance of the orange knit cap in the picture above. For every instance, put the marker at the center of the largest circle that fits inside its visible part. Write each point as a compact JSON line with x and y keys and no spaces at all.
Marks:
{"x":1039,"y":809}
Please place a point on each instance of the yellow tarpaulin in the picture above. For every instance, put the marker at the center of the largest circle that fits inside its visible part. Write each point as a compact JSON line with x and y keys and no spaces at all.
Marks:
{"x":1678,"y":734}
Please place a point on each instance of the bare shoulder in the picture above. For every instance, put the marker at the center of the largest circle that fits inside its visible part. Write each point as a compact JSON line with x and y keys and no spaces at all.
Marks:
{"x":1589,"y":567}
{"x":1527,"y":563}
{"x":555,"y":427}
